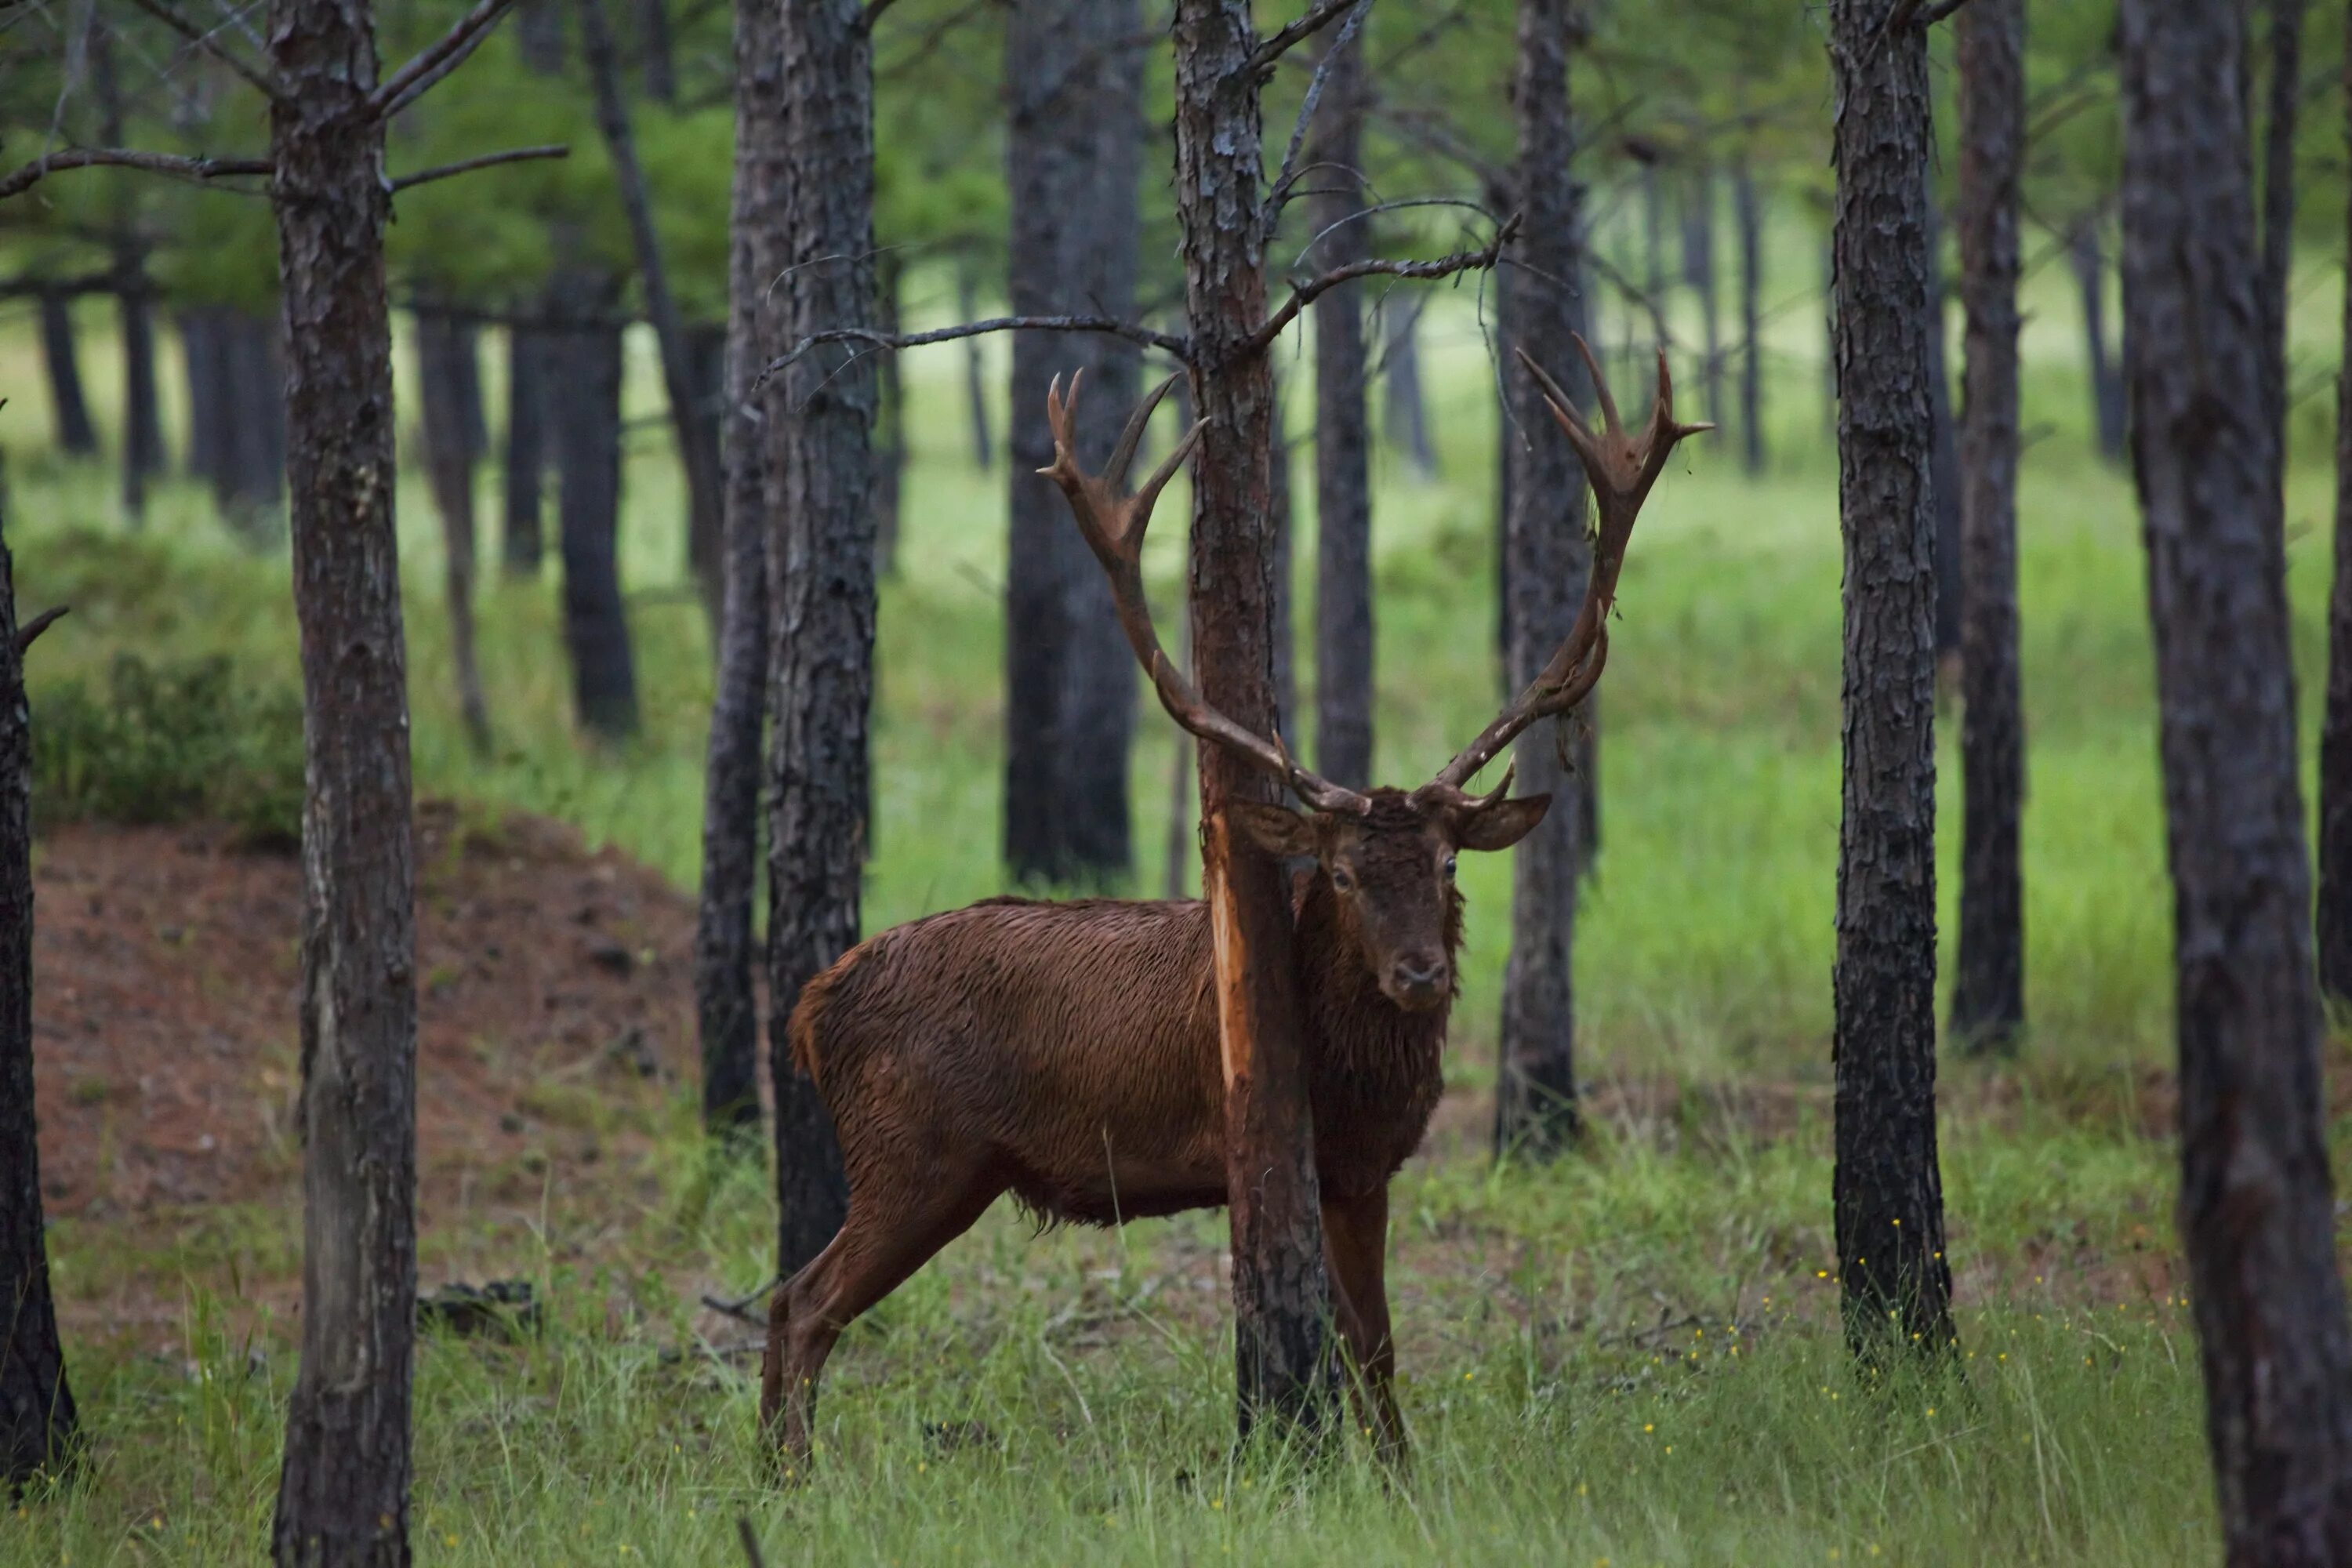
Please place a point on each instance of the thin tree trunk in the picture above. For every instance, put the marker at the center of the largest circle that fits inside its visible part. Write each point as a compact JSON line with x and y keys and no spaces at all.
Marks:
{"x":2335,"y":728}
{"x":697,"y":452}
{"x":1749,"y":211}
{"x":1698,"y":271}
{"x":1549,"y":559}
{"x":584,"y":385}
{"x":1895,"y":1283}
{"x":539,"y":35}
{"x":656,"y":52}
{"x":2088,"y":259}
{"x":1282,"y":522}
{"x":2257,"y":1203}
{"x":343,"y":1494}
{"x":2278,"y":217}
{"x":1653,"y":233}
{"x":76,"y":437}
{"x":1343,"y":489}
{"x":201,"y":357}
{"x":726,"y":1006}
{"x":1405,"y":410}
{"x":1071,"y":160}
{"x":143,"y":422}
{"x":526,"y":456}
{"x":1281,"y":1297}
{"x":1944,"y":460}
{"x":38,"y":1426}
{"x":822,"y":658}
{"x":975,"y":377}
{"x":444,"y":355}
{"x":1988,"y":980}
{"x":891,"y":448}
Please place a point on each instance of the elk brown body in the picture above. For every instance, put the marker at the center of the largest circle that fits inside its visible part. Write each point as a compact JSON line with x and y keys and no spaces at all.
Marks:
{"x":1068,"y":1053}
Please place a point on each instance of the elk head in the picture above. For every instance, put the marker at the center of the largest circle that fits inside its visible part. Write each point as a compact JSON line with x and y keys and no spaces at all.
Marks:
{"x":1388,"y":854}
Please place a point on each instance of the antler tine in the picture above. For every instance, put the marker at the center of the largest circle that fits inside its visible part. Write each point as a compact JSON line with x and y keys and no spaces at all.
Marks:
{"x":1600,"y":384}
{"x":1115,"y":471}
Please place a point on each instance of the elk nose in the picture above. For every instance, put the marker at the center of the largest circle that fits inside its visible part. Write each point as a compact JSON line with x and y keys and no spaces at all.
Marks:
{"x":1419,"y":977}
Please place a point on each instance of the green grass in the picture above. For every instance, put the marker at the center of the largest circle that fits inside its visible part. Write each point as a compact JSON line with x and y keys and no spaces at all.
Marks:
{"x":1555,"y":1420}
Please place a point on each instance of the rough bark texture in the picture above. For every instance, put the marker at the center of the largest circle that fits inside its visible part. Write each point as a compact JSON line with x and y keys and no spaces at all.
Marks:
{"x":236,"y":413}
{"x":2256,"y":1200}
{"x":1888,"y":1187}
{"x":1548,"y":558}
{"x":1343,"y":488}
{"x":820,"y":679}
{"x":1989,"y":983}
{"x":698,"y":448}
{"x":1073,"y":149}
{"x":2278,"y":215}
{"x":583,"y":392}
{"x":38,"y":1427}
{"x":1747,"y":210}
{"x":1281,"y":1296}
{"x":726,"y":1009}
{"x":445,"y":352}
{"x":343,"y":1494}
{"x":2335,"y":728}
{"x":1945,"y":452}
{"x":526,"y":456}
{"x":62,"y":364}
{"x":1405,"y":412}
{"x":2088,"y":258}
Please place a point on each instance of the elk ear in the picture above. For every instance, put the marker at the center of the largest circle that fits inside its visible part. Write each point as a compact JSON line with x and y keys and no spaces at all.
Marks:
{"x":1501,"y":824}
{"x":1276,"y":829}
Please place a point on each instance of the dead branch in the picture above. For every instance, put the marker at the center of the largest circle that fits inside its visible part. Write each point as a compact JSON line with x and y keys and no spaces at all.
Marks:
{"x":35,"y":626}
{"x":210,"y":43}
{"x":199,"y":169}
{"x":1166,"y":342}
{"x":1279,"y":192}
{"x":437,"y":59}
{"x":488,"y":160}
{"x":1305,"y":294}
{"x":1278,"y":44}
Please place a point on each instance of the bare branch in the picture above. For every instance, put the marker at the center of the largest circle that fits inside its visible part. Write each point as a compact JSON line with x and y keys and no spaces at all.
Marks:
{"x":488,"y":160}
{"x":200,"y":169}
{"x":211,"y":44}
{"x":35,"y":626}
{"x":437,"y":60}
{"x":1279,"y":192}
{"x":1166,"y":342}
{"x":1399,"y":204}
{"x":1276,"y":44}
{"x":1305,"y":294}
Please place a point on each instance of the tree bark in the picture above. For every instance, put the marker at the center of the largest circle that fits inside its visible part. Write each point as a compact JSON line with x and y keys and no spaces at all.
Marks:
{"x":698,"y":451}
{"x":655,"y":51}
{"x":975,"y":379}
{"x":1283,"y":496}
{"x":1988,"y":984}
{"x":1945,"y":454}
{"x":583,"y":387}
{"x":76,"y":437}
{"x":1896,"y":1284}
{"x":1073,"y":151}
{"x":726,"y":1006}
{"x":2087,"y":258}
{"x":1698,"y":271}
{"x":1405,"y":410}
{"x":1343,"y":488}
{"x":2278,"y":217}
{"x":1281,"y":1298}
{"x":2335,"y":918}
{"x":142,"y":421}
{"x":343,"y":1494}
{"x":2256,"y":1201}
{"x":39,"y":1429}
{"x":445,"y":368}
{"x":891,"y":448}
{"x":526,"y":458}
{"x":820,"y":665}
{"x":1549,"y":558}
{"x":1749,"y":211}
{"x":202,"y":358}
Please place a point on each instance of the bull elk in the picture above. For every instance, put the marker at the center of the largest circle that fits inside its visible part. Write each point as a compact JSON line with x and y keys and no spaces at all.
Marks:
{"x":1067,"y":1053}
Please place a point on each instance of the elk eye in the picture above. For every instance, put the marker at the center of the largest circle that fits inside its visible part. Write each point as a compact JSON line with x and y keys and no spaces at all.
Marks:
{"x":1342,"y":880}
{"x":1449,"y":868}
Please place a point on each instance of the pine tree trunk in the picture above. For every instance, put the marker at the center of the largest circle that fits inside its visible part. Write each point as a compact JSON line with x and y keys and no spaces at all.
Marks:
{"x":2257,"y":1203}
{"x":726,"y":1005}
{"x":1989,"y":981}
{"x":1888,"y":1188}
{"x":526,"y":458}
{"x":1281,"y":1297}
{"x":1072,"y":162}
{"x":2278,"y":217}
{"x":1283,"y":495}
{"x":584,"y":407}
{"x":2084,"y":254}
{"x":656,"y":52}
{"x":1404,"y":414}
{"x":343,"y":1495}
{"x":1343,"y":490}
{"x":202,"y":358}
{"x":76,"y":437}
{"x":1549,"y":559}
{"x":1945,"y":454}
{"x":1698,"y":271}
{"x":975,"y":378}
{"x":539,"y":35}
{"x":890,"y":443}
{"x":1749,"y":209}
{"x":821,"y":666}
{"x":38,"y":1427}
{"x":445,"y":370}
{"x":142,"y":417}
{"x":2335,"y":728}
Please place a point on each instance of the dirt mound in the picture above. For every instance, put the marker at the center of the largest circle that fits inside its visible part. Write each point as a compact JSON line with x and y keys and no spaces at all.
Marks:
{"x":555,"y":1009}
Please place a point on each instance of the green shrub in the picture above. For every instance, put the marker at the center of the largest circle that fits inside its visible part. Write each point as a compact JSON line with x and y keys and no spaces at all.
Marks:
{"x":171,"y":742}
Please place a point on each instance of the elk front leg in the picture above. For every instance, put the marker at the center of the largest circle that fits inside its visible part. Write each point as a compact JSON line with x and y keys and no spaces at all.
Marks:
{"x":1355,"y":1244}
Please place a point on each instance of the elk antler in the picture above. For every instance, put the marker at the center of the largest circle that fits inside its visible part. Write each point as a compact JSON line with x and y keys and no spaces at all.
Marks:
{"x":1622,"y":469}
{"x":1113,"y":525}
